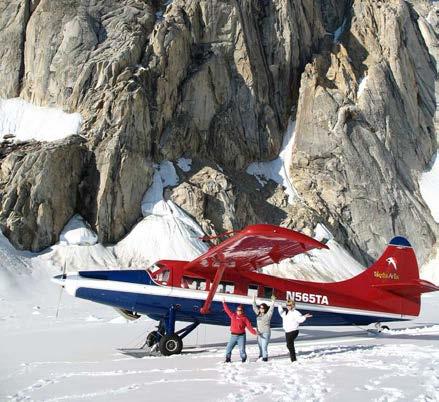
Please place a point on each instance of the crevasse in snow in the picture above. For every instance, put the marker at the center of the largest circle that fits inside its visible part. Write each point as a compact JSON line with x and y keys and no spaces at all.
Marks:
{"x":26,"y":121}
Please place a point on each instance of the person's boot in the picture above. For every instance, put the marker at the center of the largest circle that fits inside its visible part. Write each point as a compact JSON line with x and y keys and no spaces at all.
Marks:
{"x":228,"y":360}
{"x":244,"y":360}
{"x":265,"y":359}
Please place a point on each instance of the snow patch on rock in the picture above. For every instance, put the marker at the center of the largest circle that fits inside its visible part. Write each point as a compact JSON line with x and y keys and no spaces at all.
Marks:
{"x":78,"y":232}
{"x":429,"y":187}
{"x":277,"y":170}
{"x":152,"y":202}
{"x":29,"y":122}
{"x":362,"y":86}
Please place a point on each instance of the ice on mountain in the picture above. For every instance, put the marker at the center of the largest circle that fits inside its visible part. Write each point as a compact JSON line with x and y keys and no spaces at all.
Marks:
{"x":185,"y":164}
{"x":340,"y":31}
{"x":152,"y":202}
{"x":168,"y":174}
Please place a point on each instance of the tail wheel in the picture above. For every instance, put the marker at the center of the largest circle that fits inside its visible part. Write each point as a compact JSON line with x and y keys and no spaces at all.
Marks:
{"x":152,"y":338}
{"x":170,"y":345}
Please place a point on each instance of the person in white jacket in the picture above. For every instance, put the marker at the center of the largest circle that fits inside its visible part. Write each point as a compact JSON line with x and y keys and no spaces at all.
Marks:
{"x":291,"y":319}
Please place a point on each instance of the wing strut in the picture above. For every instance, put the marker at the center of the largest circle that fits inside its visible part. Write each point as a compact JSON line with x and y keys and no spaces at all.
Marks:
{"x":213,"y":287}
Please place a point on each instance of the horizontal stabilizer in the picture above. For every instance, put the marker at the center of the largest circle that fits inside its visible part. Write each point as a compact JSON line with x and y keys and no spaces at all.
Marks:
{"x":413,"y":287}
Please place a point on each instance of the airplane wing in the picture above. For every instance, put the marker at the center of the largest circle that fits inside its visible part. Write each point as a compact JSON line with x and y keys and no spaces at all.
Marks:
{"x":250,"y":249}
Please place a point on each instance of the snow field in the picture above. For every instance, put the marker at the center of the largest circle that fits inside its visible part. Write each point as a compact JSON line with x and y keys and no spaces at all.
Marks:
{"x":76,"y":359}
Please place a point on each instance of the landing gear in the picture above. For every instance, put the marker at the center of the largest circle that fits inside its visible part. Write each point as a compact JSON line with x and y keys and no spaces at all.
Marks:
{"x":152,"y":338}
{"x":165,"y":338}
{"x":170,"y":345}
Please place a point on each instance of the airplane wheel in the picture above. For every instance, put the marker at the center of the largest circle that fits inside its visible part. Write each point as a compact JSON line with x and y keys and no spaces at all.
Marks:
{"x":170,"y":345}
{"x":152,"y":338}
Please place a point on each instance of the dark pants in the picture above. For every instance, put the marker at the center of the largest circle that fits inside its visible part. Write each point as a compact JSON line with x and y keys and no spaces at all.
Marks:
{"x":290,"y":336}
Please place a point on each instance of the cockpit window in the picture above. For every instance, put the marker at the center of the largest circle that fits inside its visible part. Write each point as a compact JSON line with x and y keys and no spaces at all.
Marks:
{"x":162,"y":276}
{"x":153,"y":268}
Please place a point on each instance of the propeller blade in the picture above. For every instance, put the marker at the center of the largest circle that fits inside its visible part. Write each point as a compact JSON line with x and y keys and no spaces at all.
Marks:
{"x":64,"y":276}
{"x":59,"y":302}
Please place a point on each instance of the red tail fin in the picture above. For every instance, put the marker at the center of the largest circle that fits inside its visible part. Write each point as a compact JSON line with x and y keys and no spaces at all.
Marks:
{"x":396,"y":275}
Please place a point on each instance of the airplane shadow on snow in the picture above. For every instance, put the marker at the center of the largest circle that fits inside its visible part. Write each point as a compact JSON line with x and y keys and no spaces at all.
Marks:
{"x":307,"y":335}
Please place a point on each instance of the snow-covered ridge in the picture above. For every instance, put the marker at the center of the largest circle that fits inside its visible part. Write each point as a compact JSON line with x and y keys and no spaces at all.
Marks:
{"x":29,"y":122}
{"x":166,"y":231}
{"x":335,"y":264}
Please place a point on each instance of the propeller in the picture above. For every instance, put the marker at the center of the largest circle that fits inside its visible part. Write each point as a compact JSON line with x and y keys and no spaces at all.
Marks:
{"x":63,"y":276}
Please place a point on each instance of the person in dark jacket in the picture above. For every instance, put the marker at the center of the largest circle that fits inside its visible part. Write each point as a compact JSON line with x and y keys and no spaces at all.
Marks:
{"x":263,"y":319}
{"x":238,"y":323}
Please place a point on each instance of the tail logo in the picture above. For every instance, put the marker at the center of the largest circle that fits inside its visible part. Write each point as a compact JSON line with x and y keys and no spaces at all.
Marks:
{"x":391,"y":261}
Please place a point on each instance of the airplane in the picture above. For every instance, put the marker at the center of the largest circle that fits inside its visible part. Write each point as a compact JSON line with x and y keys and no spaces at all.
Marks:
{"x":192,"y":291}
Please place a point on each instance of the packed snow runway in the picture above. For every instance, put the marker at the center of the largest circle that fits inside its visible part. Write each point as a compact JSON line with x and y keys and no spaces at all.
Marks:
{"x":75,"y":357}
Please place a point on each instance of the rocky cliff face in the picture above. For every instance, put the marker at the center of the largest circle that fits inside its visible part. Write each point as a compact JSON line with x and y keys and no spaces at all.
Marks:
{"x":365,"y":130}
{"x":217,"y":82}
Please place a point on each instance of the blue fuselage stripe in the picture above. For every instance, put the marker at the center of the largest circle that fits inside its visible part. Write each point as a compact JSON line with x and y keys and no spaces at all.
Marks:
{"x":156,"y":307}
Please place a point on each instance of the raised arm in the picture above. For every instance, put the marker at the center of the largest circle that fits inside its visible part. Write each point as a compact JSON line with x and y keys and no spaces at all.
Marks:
{"x":271,"y":309}
{"x":227,"y":310}
{"x":281,"y":311}
{"x":255,"y":306}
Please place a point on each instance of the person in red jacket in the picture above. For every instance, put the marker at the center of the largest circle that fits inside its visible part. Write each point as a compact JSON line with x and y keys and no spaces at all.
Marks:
{"x":238,"y":323}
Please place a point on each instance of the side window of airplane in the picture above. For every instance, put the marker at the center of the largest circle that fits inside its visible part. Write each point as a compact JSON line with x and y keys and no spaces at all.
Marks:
{"x":226,"y":287}
{"x":252,"y":290}
{"x":268,"y":292}
{"x":192,"y":283}
{"x":163,"y":276}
